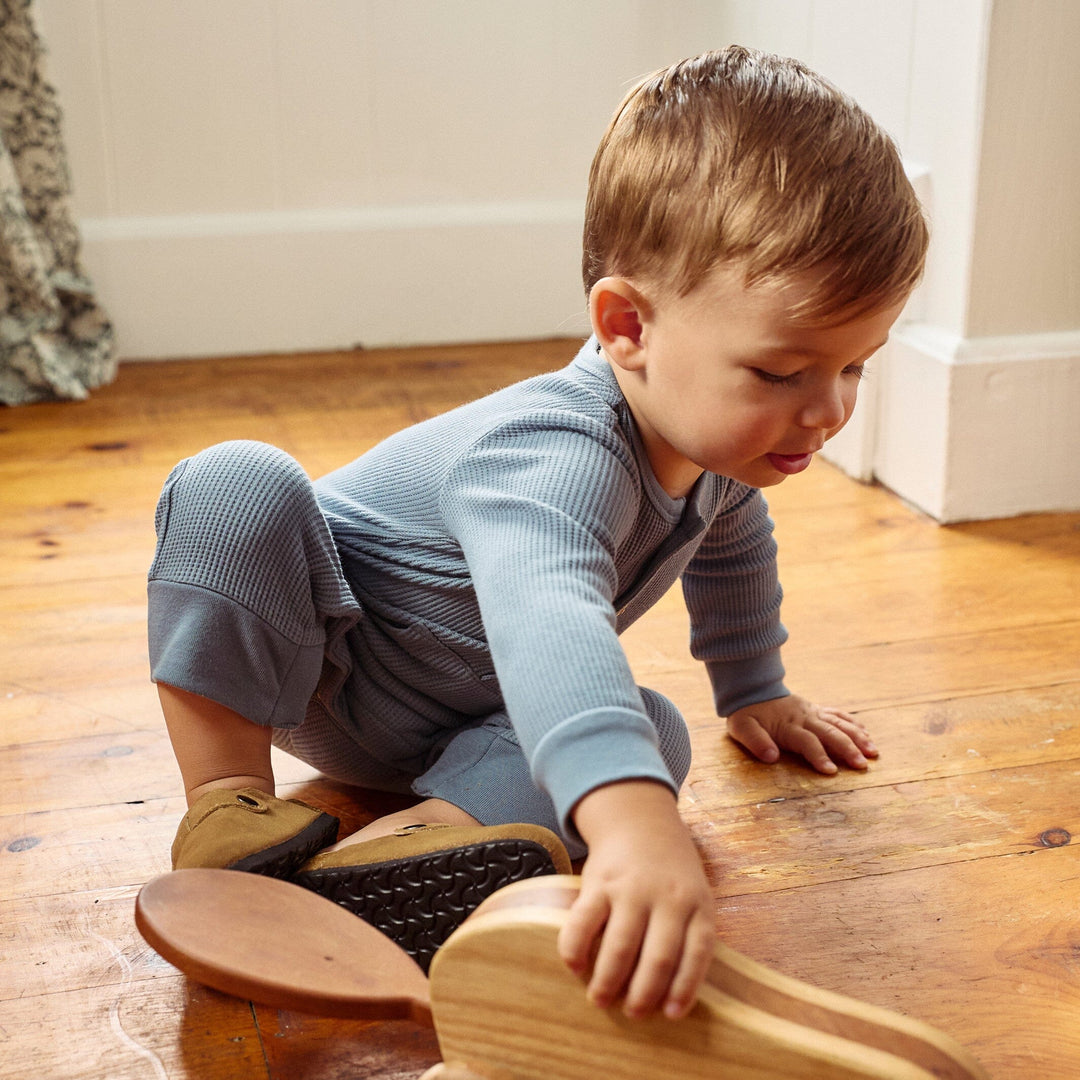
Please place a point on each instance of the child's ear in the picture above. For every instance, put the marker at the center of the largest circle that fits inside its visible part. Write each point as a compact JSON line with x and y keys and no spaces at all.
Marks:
{"x":619,"y":314}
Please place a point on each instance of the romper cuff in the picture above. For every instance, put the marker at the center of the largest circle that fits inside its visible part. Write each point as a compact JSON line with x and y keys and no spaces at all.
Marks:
{"x":207,"y":644}
{"x":737,"y":683}
{"x":598,"y":747}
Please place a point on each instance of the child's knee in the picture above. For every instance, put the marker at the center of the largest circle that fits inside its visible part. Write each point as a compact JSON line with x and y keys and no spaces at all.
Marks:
{"x":232,"y":488}
{"x":671,"y":731}
{"x":252,"y":471}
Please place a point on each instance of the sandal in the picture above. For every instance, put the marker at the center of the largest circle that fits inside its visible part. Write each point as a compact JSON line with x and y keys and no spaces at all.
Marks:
{"x":420,"y":883}
{"x":250,"y":830}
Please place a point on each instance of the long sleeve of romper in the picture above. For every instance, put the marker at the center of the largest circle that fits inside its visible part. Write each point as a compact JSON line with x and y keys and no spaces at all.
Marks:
{"x":540,"y":545}
{"x":733,"y":595}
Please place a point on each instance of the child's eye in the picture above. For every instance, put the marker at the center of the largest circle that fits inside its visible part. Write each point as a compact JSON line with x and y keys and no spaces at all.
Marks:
{"x":773,"y":379}
{"x":858,"y":370}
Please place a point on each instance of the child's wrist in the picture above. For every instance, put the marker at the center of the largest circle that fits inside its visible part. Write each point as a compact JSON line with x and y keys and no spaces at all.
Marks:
{"x":624,"y":804}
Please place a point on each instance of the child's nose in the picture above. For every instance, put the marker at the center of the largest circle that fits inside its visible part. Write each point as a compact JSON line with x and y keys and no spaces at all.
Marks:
{"x":826,"y":410}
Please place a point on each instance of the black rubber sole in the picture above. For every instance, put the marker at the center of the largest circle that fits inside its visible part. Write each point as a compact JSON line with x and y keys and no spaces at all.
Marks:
{"x":421,"y":900}
{"x":284,"y":859}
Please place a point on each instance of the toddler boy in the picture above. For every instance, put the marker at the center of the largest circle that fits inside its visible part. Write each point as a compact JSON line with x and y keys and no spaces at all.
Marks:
{"x":441,"y":616}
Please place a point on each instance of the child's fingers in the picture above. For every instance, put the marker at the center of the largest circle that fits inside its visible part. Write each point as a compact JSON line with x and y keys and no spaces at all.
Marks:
{"x":618,"y":955}
{"x":841,"y":746}
{"x":806,"y":744}
{"x":579,"y":934}
{"x":657,"y":964}
{"x":698,"y":952}
{"x":827,"y":712}
{"x":746,"y":731}
{"x":855,"y":731}
{"x":674,"y":959}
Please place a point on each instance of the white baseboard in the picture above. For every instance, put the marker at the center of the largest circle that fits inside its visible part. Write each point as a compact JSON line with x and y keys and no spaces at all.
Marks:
{"x":225,"y":284}
{"x":968,"y":429}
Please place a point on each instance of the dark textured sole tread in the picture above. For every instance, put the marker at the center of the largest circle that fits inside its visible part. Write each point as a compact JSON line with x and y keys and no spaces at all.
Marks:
{"x":421,"y":900}
{"x":284,"y":859}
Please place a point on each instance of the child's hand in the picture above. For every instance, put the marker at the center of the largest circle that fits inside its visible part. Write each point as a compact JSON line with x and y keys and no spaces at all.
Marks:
{"x":645,"y":917}
{"x":821,"y":735}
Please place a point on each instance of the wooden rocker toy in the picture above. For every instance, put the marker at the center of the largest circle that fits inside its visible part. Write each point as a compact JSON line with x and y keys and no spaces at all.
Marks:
{"x":505,"y":1007}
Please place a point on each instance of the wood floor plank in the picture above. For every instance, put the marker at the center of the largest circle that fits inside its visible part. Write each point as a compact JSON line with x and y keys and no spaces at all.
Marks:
{"x":81,"y":940}
{"x":959,"y":591}
{"x":77,"y":634}
{"x":955,"y":737}
{"x":114,"y":769}
{"x":318,"y":1049}
{"x":934,"y":668}
{"x":871,"y":831}
{"x":877,"y":672}
{"x":72,"y":546}
{"x":80,"y":849}
{"x":160,"y":1030}
{"x":816,"y":521}
{"x":29,"y":716}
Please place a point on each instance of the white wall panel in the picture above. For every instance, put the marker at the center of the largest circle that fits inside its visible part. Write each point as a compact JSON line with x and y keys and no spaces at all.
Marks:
{"x":323,"y":100}
{"x":458,"y":109}
{"x":981,"y":427}
{"x":325,"y":280}
{"x":865,"y":48}
{"x":192,"y":104}
{"x":198,"y":123}
{"x":73,"y":64}
{"x":779,"y":26}
{"x":912,"y":441}
{"x":1026,"y":254}
{"x":944,"y":133}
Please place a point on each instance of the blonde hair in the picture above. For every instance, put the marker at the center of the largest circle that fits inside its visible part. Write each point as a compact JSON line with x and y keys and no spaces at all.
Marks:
{"x":745,"y":157}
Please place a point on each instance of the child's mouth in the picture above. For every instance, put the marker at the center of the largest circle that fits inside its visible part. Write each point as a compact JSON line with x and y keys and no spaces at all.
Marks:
{"x":790,"y":463}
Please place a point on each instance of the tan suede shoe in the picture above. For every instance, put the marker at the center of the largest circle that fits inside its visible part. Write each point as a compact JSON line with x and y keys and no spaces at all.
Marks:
{"x":418,"y":885}
{"x":250,"y":830}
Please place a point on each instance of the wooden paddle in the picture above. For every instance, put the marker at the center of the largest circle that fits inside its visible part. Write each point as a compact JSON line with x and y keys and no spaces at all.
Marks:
{"x":272,"y":942}
{"x":506,"y":1008}
{"x":750,"y":1022}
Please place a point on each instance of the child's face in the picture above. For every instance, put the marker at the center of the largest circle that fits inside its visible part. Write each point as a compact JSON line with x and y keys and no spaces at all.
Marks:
{"x":723,"y":380}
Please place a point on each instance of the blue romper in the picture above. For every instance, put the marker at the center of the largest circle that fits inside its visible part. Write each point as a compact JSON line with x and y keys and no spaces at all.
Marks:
{"x":442,"y":614}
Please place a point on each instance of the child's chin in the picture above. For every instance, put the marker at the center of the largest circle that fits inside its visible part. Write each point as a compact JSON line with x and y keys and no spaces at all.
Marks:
{"x":759,"y":474}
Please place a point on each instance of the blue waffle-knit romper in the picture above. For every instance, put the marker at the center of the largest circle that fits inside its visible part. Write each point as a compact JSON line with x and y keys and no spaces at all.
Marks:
{"x":442,"y":614}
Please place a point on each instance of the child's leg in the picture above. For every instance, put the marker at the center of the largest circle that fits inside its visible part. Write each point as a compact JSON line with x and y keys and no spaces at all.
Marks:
{"x":246,"y":595}
{"x":214,"y":746}
{"x":233,"y":818}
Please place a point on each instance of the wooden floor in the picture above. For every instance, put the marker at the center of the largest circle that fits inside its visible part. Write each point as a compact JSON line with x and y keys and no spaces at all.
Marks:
{"x":944,"y":883}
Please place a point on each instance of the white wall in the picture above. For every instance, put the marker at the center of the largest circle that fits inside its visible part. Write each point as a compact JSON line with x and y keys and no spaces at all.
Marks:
{"x":259,"y":175}
{"x":275,"y":175}
{"x":269,"y":175}
{"x":979,"y":418}
{"x":1026,"y":250}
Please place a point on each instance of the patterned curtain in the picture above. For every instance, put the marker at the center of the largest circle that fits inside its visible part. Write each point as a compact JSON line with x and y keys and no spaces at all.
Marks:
{"x":55,"y":341}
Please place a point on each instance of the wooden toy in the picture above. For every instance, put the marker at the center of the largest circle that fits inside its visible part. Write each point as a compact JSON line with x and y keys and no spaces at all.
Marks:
{"x":505,"y":1007}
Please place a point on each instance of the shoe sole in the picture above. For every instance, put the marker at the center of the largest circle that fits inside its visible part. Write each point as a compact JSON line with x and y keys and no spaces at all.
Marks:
{"x":284,"y":859}
{"x":420,"y":900}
